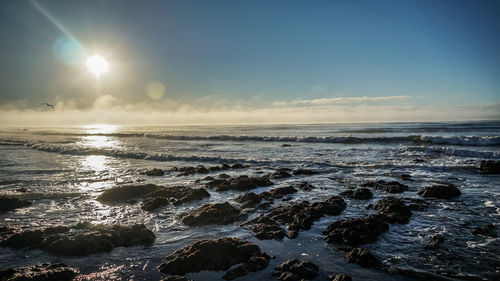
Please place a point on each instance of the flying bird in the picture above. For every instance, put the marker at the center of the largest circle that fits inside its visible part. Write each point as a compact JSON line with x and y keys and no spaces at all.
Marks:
{"x":49,"y":105}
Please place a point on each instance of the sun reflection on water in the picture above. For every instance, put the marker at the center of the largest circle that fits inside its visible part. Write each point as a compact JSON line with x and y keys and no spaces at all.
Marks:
{"x":100,"y":129}
{"x":96,"y":163}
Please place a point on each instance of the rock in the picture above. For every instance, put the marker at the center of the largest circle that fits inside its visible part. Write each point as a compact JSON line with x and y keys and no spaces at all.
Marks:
{"x":126,"y":192}
{"x":362,"y":257}
{"x":240,"y":183}
{"x":186,"y":171}
{"x":249,"y":200}
{"x":394,"y":210}
{"x":175,"y":278}
{"x":235,"y":273}
{"x":151,"y":204}
{"x":154,"y":172}
{"x":489,"y":167}
{"x":295,"y":269}
{"x":39,"y":272}
{"x":278,"y":192}
{"x":224,"y":176}
{"x":237,"y":166}
{"x":218,"y":213}
{"x":340,"y":277}
{"x":179,"y":194}
{"x":82,"y":239}
{"x":6,"y":231}
{"x":280,"y":175}
{"x":440,"y":191}
{"x":297,"y":216}
{"x":434,"y":242}
{"x":219,"y":254}
{"x":305,"y":186}
{"x":349,"y":233}
{"x":360,"y":193}
{"x":306,"y":172}
{"x":285,"y":145}
{"x":416,"y":204}
{"x":22,"y":190}
{"x":487,"y":230}
{"x":8,"y":204}
{"x":405,"y":177}
{"x":391,"y":187}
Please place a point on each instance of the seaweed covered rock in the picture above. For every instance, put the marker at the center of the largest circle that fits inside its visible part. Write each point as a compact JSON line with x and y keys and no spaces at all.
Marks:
{"x":248,"y":200}
{"x":252,"y":199}
{"x":81,"y":239}
{"x":174,"y":194}
{"x":297,"y":216}
{"x":278,"y":192}
{"x":340,"y":277}
{"x":362,"y":257}
{"x":8,"y":204}
{"x":394,"y":210}
{"x":489,"y":167}
{"x":296,"y":270}
{"x":219,"y":254}
{"x":391,"y":187}
{"x":200,"y":169}
{"x":39,"y":272}
{"x":440,"y":191}
{"x":349,"y":233}
{"x":153,"y":203}
{"x":239,"y":183}
{"x":487,"y":230}
{"x":281,"y":173}
{"x":434,"y":242}
{"x":306,"y":172}
{"x":126,"y":192}
{"x":359,"y":193}
{"x":154,"y":172}
{"x":218,"y":213}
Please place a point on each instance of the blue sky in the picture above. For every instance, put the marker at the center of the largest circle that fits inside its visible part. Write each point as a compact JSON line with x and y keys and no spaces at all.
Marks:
{"x":434,"y":53}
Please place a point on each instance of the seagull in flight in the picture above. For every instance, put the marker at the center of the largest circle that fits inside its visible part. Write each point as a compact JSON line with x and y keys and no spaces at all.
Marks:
{"x":49,"y":105}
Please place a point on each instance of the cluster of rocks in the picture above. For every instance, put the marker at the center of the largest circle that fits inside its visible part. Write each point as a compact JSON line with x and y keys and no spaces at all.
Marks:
{"x":44,"y":271}
{"x":200,"y":169}
{"x":297,"y":216}
{"x":81,"y":239}
{"x":359,"y":193}
{"x":252,"y":199}
{"x":440,"y":191}
{"x":154,"y":172}
{"x":241,"y":183}
{"x":391,"y":187}
{"x":394,"y":210}
{"x":8,"y":204}
{"x":154,"y":196}
{"x":218,"y":213}
{"x":296,"y":270}
{"x":219,"y":254}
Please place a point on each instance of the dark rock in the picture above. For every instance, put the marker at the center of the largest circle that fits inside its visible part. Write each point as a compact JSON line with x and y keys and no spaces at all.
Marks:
{"x":360,"y":193}
{"x":249,"y":200}
{"x":280,"y":174}
{"x":186,"y":171}
{"x":286,"y":145}
{"x":22,"y":190}
{"x":82,"y":239}
{"x":434,"y":242}
{"x":6,"y":231}
{"x":219,"y":254}
{"x":440,"y":191}
{"x":235,"y":273}
{"x":175,"y":278}
{"x":348,"y":233}
{"x":394,"y":210}
{"x":405,"y":177}
{"x":340,"y":277}
{"x":489,"y":167}
{"x":295,"y":269}
{"x":7,"y":204}
{"x":237,"y":166}
{"x":239,"y":183}
{"x":39,"y":272}
{"x":224,"y":176}
{"x":126,"y":192}
{"x":278,"y":192}
{"x":487,"y":230}
{"x":297,"y":216}
{"x":362,"y":257}
{"x":391,"y":187}
{"x":154,"y":172}
{"x":218,"y":213}
{"x":416,"y":204}
{"x":304,"y":186}
{"x":179,"y":194}
{"x":150,"y":204}
{"x":306,"y":172}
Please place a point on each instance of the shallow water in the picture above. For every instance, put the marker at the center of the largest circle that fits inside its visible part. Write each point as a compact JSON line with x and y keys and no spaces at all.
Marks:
{"x":65,"y":169}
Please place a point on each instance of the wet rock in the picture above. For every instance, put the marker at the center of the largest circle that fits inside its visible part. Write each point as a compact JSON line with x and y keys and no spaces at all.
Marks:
{"x":235,"y":273}
{"x":218,"y":213}
{"x":391,"y":187}
{"x":249,"y":200}
{"x":82,"y":239}
{"x":22,"y":190}
{"x":154,"y":172}
{"x":306,"y":172}
{"x":362,"y":257}
{"x":440,"y":191}
{"x":360,"y":193}
{"x":278,"y":192}
{"x":305,"y":186}
{"x":405,"y":177}
{"x":487,"y":230}
{"x":219,"y":254}
{"x":239,"y":183}
{"x":39,"y":272}
{"x":126,"y":192}
{"x":179,"y":194}
{"x":238,"y":166}
{"x":8,"y":204}
{"x":416,"y":204}
{"x":6,"y":231}
{"x":297,"y":216}
{"x":224,"y":176}
{"x":280,"y":174}
{"x":340,"y":277}
{"x":394,"y":210}
{"x":175,"y":278}
{"x":489,"y":167}
{"x":151,"y":204}
{"x":296,"y":270}
{"x":349,"y":233}
{"x":434,"y":242}
{"x":186,"y":171}
{"x":286,"y":145}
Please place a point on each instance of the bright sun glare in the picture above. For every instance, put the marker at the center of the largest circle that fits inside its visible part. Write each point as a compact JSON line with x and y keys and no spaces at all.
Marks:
{"x":97,"y":65}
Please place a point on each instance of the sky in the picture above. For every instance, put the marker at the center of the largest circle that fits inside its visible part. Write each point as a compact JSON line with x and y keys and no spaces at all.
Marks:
{"x":183,"y":62}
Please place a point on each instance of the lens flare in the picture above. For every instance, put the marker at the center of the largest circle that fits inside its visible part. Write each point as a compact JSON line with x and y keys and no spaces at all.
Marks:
{"x":97,"y":65}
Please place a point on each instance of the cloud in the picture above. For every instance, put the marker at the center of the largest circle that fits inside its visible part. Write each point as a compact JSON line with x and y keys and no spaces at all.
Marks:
{"x":339,"y":100}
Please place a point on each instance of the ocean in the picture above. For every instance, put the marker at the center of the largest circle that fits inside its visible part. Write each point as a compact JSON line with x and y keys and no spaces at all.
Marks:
{"x":65,"y":169}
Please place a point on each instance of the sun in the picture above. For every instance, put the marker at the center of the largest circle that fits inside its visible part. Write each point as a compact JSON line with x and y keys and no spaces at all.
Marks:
{"x":97,"y":65}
